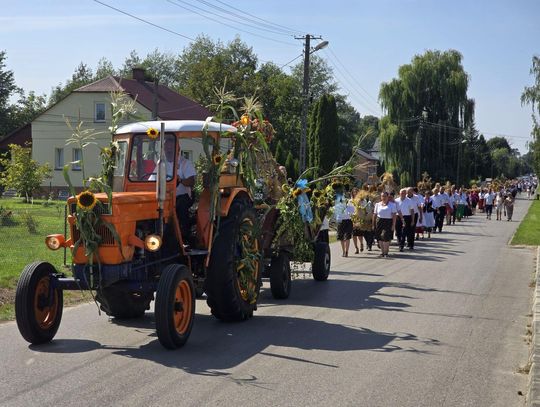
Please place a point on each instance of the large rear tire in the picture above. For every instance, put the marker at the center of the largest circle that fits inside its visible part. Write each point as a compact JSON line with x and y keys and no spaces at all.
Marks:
{"x":38,"y":305}
{"x":280,"y":276}
{"x":321,"y":261}
{"x":175,"y":306}
{"x":234,"y":274}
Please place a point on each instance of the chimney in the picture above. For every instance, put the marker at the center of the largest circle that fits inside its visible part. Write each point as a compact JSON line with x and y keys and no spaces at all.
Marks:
{"x":138,"y":74}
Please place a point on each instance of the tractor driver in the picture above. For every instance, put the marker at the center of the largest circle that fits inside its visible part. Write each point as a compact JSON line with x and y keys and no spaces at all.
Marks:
{"x":184,"y":185}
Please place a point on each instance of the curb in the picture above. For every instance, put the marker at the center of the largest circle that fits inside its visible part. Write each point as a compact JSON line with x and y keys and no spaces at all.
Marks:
{"x":533,"y":393}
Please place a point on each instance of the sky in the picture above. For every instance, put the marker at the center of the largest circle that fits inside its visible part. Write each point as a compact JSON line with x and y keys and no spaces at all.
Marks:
{"x":368,"y":42}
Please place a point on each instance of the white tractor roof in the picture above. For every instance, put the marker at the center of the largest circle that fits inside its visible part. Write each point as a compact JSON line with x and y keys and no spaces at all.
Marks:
{"x":174,"y":126}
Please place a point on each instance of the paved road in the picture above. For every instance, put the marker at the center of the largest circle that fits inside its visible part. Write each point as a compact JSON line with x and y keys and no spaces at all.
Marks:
{"x":443,"y":326}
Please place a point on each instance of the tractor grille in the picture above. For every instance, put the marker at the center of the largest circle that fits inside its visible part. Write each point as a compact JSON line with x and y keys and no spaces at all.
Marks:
{"x":107,"y":237}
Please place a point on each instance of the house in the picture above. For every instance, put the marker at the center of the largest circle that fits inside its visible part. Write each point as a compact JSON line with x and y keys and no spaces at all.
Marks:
{"x":365,"y":168}
{"x":91,"y":104}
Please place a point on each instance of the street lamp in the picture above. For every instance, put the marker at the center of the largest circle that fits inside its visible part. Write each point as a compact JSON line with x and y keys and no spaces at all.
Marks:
{"x":305,"y":95}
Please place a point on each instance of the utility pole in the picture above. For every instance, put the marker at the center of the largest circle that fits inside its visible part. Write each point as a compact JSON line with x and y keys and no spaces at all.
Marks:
{"x":305,"y":95}
{"x":418,"y":149}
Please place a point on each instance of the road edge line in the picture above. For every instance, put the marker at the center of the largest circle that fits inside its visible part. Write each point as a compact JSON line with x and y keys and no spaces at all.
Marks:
{"x":533,"y":392}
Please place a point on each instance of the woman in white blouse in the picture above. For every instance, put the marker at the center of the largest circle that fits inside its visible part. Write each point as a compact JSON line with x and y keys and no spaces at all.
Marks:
{"x":384,"y":222}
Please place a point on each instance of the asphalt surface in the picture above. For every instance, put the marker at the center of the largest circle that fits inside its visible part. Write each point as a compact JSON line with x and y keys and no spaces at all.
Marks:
{"x":444,"y":325}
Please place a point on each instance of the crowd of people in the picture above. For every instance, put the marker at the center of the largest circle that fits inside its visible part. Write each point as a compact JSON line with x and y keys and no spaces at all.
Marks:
{"x":378,"y":216}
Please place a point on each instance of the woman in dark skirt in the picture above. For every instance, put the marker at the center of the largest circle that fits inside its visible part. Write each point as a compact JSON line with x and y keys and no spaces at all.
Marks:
{"x":384,"y":222}
{"x":343,"y":211}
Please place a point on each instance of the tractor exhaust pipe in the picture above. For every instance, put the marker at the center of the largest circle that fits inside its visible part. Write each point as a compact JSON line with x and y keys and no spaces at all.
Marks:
{"x":161,"y":184}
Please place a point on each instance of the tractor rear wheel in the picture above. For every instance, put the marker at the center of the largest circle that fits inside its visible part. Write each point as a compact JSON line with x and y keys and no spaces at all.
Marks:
{"x":280,"y":276}
{"x":175,"y":306}
{"x":38,"y":305}
{"x":320,"y":267}
{"x":234,"y":274}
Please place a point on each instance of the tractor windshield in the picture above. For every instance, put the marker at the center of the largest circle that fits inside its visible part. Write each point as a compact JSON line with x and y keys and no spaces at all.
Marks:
{"x":145,"y":156}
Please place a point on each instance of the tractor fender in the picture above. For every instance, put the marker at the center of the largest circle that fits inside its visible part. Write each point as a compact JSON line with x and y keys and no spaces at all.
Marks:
{"x":229,"y":196}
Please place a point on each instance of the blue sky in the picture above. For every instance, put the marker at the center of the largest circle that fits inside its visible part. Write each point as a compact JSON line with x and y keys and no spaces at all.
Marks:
{"x":369,"y":40}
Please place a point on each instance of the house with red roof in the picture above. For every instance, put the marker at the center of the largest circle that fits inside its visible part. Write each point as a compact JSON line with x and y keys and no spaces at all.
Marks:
{"x":91,"y":105}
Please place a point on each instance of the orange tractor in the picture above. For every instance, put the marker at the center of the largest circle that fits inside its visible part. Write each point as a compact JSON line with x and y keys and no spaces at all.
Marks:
{"x":141,"y":254}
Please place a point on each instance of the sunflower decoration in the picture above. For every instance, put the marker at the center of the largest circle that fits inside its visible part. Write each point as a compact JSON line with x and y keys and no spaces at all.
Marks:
{"x":286,"y":188}
{"x":152,"y":133}
{"x":297,"y":192}
{"x":216,"y":159}
{"x":244,"y":119}
{"x":86,"y":200}
{"x":316,"y":194}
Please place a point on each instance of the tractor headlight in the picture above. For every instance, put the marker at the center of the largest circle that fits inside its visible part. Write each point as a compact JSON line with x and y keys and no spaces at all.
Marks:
{"x":55,"y":242}
{"x":152,"y":243}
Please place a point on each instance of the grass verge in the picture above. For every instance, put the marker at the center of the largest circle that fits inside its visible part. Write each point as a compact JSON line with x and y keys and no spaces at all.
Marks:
{"x":23,"y":227}
{"x":528,"y":232}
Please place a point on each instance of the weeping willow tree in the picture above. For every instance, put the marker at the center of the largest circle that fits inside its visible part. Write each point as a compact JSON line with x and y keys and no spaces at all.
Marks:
{"x":427,"y":110}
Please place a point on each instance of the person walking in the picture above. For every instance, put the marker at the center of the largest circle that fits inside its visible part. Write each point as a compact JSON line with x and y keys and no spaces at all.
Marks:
{"x":509,"y":206}
{"x":499,"y":205}
{"x":362,"y":222}
{"x":384,"y":222}
{"x":405,"y":225}
{"x":428,"y":212}
{"x":489,"y":197}
{"x":343,"y":210}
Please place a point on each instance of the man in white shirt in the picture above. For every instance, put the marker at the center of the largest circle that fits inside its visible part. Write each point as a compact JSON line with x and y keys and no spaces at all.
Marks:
{"x":184,"y":185}
{"x":405,"y":225}
{"x":489,"y":196}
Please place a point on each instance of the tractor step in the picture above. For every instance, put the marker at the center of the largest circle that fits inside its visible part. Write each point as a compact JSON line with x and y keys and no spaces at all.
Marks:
{"x":196,"y":252}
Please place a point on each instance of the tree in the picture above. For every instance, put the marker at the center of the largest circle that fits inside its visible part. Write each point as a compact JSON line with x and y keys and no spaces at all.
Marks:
{"x":531,"y":95}
{"x":435,"y":84}
{"x":22,"y":173}
{"x":280,"y":155}
{"x":324,"y":138}
{"x":498,"y":142}
{"x":82,"y":76}
{"x":290,"y":165}
{"x":7,"y":89}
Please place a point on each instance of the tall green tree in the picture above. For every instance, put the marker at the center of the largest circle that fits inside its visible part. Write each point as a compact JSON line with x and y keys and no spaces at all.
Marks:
{"x":324,"y":143}
{"x":83,"y":75}
{"x":531,"y":95}
{"x":433,"y":86}
{"x":7,"y":89}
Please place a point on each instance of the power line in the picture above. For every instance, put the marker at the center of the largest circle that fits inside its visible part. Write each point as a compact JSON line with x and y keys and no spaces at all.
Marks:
{"x":223,"y":23}
{"x":144,"y":21}
{"x":241,"y":18}
{"x":353,"y":78}
{"x":292,"y":60}
{"x":267,"y":22}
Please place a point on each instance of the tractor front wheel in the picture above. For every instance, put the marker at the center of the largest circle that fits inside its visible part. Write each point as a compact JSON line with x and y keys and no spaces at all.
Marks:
{"x":175,"y":306}
{"x":38,"y":304}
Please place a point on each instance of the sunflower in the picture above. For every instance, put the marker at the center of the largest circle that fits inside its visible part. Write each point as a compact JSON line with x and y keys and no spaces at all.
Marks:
{"x":152,"y":133}
{"x":285,"y":188}
{"x":216,"y":159}
{"x":86,"y":200}
{"x":297,"y":192}
{"x":317,"y":194}
{"x":336,"y":185}
{"x":244,"y":120}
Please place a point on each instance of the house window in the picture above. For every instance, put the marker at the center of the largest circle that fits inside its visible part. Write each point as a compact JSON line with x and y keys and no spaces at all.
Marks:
{"x":187,"y":154}
{"x":77,"y":157}
{"x":58,"y":158}
{"x":99,"y":112}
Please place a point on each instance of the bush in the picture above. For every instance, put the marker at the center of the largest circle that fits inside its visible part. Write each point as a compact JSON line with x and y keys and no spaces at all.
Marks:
{"x":30,"y":222}
{"x":6,"y":217}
